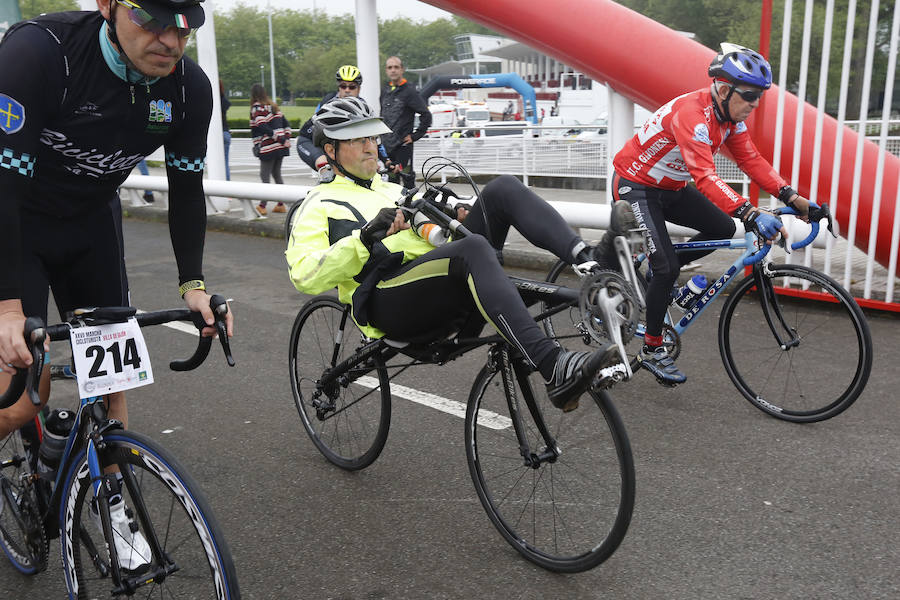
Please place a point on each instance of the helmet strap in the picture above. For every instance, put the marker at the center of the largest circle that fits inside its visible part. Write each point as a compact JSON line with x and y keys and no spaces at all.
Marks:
{"x":114,"y":38}
{"x":723,"y":114}
{"x":366,"y":183}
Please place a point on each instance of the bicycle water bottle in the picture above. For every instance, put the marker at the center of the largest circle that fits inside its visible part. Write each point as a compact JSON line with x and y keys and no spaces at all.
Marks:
{"x":57,"y":426}
{"x":427,"y":230}
{"x":690,"y":291}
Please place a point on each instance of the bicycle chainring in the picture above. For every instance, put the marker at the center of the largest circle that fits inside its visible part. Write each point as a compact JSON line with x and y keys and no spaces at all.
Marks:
{"x":607,"y":292}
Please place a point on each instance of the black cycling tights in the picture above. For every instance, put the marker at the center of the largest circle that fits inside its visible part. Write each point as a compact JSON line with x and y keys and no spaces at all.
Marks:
{"x":452,"y":281}
{"x":652,"y":208}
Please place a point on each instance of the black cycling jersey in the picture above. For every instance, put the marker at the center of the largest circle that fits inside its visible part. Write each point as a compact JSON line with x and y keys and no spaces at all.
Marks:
{"x":73,"y":130}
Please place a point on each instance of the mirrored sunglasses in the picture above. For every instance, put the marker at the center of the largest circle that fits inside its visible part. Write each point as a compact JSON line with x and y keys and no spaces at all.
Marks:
{"x":749,"y":95}
{"x":348,"y":86}
{"x":146,"y":21}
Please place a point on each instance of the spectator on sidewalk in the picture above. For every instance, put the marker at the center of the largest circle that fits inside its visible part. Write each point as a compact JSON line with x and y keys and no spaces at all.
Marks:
{"x":226,"y":133}
{"x":148,"y":194}
{"x":400,"y":103}
{"x":271,"y":139}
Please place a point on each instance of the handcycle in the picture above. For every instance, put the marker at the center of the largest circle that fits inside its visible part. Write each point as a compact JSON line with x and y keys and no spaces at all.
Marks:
{"x":559,"y":487}
{"x":188,"y":554}
{"x":795,"y":359}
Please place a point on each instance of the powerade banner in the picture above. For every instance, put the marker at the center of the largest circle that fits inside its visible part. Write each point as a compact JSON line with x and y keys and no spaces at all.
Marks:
{"x":9,"y":14}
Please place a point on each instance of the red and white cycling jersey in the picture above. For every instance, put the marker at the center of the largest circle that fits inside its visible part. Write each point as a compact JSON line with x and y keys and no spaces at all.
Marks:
{"x":678,"y":143}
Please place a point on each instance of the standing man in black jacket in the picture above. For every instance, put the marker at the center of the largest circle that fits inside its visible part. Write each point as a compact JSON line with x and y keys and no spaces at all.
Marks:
{"x":400,"y":102}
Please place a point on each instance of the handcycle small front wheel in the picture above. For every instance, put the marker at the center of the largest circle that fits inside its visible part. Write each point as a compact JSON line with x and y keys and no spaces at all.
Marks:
{"x":163,"y":503}
{"x":348,"y":420}
{"x":565,"y":511}
{"x":825,"y":356}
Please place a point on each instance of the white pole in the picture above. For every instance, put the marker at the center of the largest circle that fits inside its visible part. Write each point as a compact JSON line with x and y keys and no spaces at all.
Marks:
{"x":367,"y":57}
{"x":782,"y":82}
{"x":272,"y":57}
{"x":820,"y":104}
{"x":839,"y":131}
{"x":882,"y":153}
{"x":860,"y":141}
{"x":620,"y":129}
{"x":215,"y":152}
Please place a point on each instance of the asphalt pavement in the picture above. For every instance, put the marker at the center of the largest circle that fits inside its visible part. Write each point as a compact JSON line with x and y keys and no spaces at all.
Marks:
{"x":730,"y":503}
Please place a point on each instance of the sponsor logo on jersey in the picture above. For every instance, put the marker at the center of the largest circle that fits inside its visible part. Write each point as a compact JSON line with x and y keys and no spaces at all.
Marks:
{"x":160,"y":116}
{"x":88,"y":161}
{"x":90,"y":109}
{"x":740,"y":127}
{"x":701,"y":134}
{"x":624,"y":190}
{"x":12,"y":114}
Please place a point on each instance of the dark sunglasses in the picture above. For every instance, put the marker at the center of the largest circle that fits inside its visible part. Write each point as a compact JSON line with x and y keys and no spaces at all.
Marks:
{"x":348,"y":86}
{"x":749,"y":95}
{"x":147,"y":22}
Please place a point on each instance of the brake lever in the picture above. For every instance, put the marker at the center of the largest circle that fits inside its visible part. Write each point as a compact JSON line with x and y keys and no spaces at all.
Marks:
{"x":220,"y":308}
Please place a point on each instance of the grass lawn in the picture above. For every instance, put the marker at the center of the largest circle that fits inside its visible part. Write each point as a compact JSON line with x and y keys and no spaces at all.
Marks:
{"x":293,"y":113}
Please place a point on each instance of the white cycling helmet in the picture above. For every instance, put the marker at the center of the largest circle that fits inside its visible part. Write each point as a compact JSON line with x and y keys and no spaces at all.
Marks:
{"x":346,"y":119}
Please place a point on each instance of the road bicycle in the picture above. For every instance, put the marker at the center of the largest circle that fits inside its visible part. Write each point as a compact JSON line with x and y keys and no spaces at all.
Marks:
{"x":187,"y":556}
{"x":558,"y":486}
{"x":794,"y":342}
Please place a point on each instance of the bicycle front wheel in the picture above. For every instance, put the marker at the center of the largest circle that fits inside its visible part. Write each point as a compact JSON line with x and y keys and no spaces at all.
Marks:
{"x":568,"y":514}
{"x":349,"y":419}
{"x":163,"y":503}
{"x":22,"y":536}
{"x":825,"y":359}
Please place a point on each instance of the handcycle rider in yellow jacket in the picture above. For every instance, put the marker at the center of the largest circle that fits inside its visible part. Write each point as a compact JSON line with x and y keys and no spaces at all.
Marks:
{"x":400,"y":285}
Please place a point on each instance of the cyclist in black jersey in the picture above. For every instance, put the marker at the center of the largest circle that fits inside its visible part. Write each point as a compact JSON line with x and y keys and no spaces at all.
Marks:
{"x":84,"y":96}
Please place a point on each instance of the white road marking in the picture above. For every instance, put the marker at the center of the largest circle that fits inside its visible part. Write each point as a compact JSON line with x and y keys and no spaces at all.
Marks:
{"x":457,"y":409}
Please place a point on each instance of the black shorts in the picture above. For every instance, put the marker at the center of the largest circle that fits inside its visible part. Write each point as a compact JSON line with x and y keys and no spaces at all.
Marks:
{"x":81,"y":259}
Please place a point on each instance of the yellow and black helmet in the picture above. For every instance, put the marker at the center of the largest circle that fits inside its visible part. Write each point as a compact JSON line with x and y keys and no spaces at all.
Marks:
{"x":348,"y":73}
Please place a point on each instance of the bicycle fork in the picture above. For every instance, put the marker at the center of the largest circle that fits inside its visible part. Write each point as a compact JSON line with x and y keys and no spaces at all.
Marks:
{"x":511,"y":373}
{"x":102,"y":486}
{"x":771,"y":308}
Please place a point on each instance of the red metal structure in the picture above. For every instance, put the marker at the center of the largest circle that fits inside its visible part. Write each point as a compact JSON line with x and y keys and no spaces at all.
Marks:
{"x":650,"y":64}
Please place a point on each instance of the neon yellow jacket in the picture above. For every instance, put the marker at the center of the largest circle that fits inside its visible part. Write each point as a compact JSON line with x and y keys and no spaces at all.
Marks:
{"x":324,"y":250}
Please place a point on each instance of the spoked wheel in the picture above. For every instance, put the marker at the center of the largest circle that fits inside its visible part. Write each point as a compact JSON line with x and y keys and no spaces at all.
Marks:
{"x":824,"y":360}
{"x":22,"y":535}
{"x":568,"y":510}
{"x":347,"y":420}
{"x":162,"y":503}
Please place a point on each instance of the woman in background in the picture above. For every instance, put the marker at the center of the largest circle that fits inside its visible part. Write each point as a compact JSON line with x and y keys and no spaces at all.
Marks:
{"x":271,"y":139}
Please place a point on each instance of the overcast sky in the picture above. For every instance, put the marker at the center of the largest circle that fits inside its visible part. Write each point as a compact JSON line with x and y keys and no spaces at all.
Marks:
{"x":387,"y":9}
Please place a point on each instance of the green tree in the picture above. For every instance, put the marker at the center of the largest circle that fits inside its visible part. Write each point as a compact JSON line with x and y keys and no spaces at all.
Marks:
{"x":33,"y":8}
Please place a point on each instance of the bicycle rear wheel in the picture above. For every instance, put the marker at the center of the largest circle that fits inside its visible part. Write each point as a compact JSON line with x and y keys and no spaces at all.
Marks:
{"x":348,"y":421}
{"x":567,"y":515}
{"x":826,"y":366}
{"x":22,"y":536}
{"x":164,"y":500}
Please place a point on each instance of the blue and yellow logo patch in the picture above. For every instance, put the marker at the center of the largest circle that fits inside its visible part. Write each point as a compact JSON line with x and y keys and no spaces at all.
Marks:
{"x":12,"y":114}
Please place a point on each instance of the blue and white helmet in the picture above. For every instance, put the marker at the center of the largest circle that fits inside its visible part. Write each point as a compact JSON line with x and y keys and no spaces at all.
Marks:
{"x":741,"y":65}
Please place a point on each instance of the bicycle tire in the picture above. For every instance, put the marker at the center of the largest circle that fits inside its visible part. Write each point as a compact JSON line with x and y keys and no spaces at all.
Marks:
{"x":176,"y":509}
{"x":350,"y":427}
{"x":815,"y":380}
{"x":22,"y":536}
{"x":568,"y":516}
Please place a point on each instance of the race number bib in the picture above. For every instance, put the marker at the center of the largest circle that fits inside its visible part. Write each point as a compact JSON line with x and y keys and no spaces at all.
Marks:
{"x":110,"y":358}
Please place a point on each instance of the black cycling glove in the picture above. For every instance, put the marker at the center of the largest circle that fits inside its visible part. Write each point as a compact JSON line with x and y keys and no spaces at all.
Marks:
{"x":375,"y":230}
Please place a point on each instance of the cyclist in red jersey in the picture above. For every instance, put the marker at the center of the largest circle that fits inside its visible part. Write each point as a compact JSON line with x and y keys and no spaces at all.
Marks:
{"x":676,"y":145}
